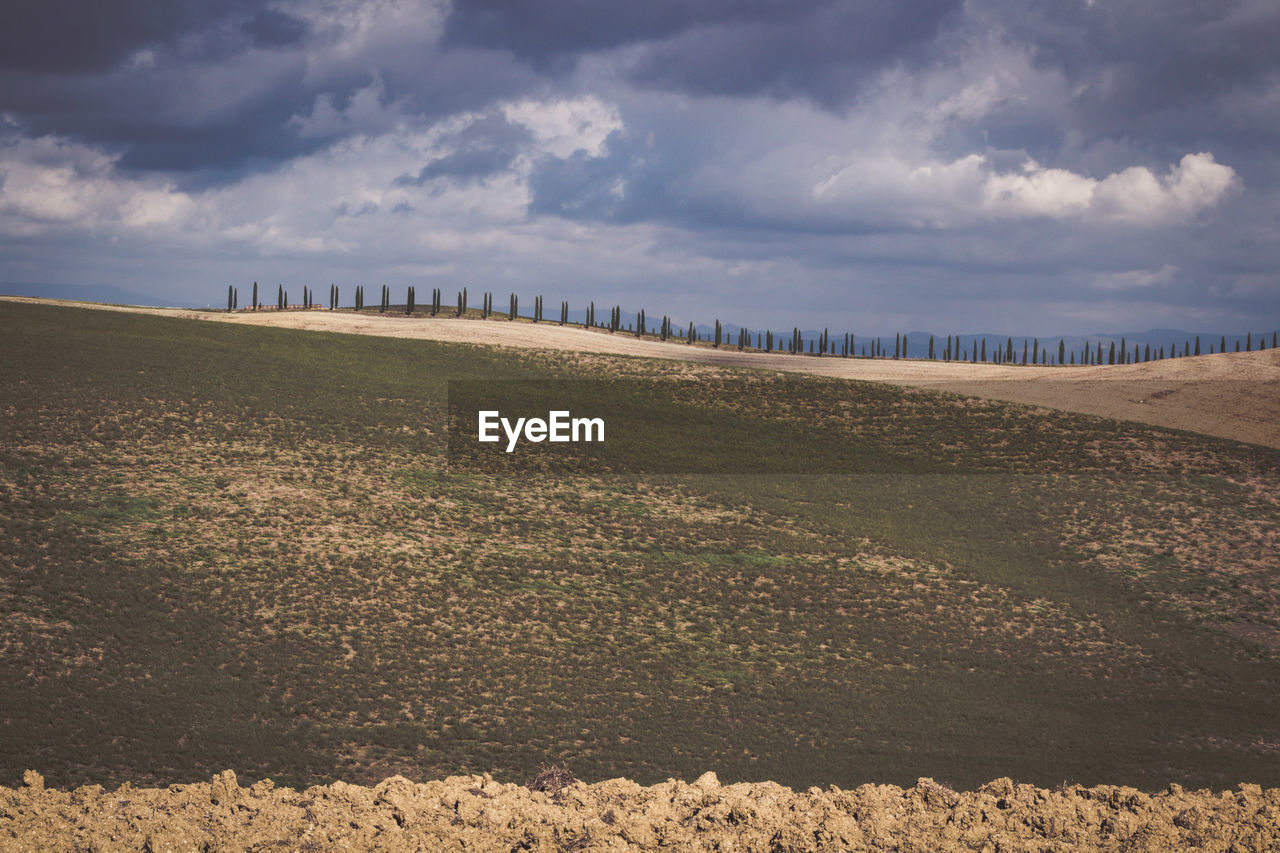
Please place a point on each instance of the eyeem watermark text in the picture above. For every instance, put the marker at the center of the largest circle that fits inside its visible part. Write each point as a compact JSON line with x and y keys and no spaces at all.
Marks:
{"x":559,"y":426}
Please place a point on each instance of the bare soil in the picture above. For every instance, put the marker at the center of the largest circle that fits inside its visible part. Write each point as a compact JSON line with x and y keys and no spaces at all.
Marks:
{"x":1230,"y":395}
{"x":478,"y":813}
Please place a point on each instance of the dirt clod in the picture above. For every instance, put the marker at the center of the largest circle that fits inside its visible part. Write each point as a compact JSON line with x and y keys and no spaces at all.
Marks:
{"x":552,"y":781}
{"x":475,"y":812}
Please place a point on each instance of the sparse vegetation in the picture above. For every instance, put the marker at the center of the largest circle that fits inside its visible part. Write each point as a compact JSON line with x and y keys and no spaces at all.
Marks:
{"x":230,"y":546}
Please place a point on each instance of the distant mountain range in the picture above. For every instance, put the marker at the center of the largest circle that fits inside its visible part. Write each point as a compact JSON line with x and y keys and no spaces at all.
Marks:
{"x":1167,"y":341}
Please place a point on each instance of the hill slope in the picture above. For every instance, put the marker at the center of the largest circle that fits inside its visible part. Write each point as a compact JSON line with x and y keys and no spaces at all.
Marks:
{"x":1230,"y":395}
{"x":227,"y":546}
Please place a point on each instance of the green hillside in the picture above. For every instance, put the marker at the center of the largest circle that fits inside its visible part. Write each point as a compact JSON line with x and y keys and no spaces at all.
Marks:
{"x":235,"y":547}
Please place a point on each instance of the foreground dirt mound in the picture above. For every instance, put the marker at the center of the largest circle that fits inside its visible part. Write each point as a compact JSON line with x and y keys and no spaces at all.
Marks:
{"x":477,"y":813}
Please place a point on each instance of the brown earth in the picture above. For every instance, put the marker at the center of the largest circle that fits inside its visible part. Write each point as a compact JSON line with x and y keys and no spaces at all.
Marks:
{"x":477,"y":813}
{"x":1230,"y":395}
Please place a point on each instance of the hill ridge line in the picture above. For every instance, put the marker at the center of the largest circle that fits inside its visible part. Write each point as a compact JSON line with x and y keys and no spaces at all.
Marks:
{"x":1228,"y":395}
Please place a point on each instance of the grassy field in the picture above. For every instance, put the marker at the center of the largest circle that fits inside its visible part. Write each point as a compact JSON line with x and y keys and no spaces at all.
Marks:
{"x":235,"y":547}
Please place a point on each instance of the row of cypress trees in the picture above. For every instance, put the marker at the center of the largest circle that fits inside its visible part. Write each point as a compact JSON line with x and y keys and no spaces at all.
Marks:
{"x":766,"y":341}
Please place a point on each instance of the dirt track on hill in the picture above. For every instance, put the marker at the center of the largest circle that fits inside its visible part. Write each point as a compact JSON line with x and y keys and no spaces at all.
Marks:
{"x":1231,"y":395}
{"x":477,"y":813}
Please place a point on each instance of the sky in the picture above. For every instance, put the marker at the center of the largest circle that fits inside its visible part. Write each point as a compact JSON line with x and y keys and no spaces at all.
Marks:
{"x":999,"y":166}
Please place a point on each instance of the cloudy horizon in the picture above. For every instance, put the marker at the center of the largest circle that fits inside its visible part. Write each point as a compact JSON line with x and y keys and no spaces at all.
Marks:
{"x":983,"y":166}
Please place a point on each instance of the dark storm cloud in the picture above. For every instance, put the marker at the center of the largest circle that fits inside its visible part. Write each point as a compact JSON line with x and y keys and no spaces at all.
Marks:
{"x":214,"y":89}
{"x":73,"y":36}
{"x":154,"y":120}
{"x":825,"y":55}
{"x":541,"y":30}
{"x":1155,"y":54}
{"x":135,"y":76}
{"x":485,"y":147}
{"x":815,"y":49}
{"x":1166,"y":73}
{"x":270,"y":28}
{"x":583,"y":187}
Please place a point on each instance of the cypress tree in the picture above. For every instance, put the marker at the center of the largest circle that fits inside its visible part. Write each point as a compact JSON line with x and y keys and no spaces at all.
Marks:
{"x":280,"y":298}
{"x":984,"y":350}
{"x":255,"y":296}
{"x":1024,"y":352}
{"x":1222,"y":344}
{"x":1062,"y":353}
{"x":1111,"y":357}
{"x":897,"y":345}
{"x":693,"y":334}
{"x":1248,"y":342}
{"x":1146,"y":353}
{"x":230,"y":295}
{"x":1197,"y":344}
{"x":931,"y":347}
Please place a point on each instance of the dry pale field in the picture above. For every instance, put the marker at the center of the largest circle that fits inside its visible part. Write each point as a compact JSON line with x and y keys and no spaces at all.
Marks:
{"x":1231,"y":395}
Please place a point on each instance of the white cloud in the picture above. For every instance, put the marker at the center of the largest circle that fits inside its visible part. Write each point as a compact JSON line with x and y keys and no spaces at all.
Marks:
{"x":969,"y":190}
{"x":562,"y":127}
{"x":47,"y":184}
{"x":1037,"y":191}
{"x":1136,"y":195}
